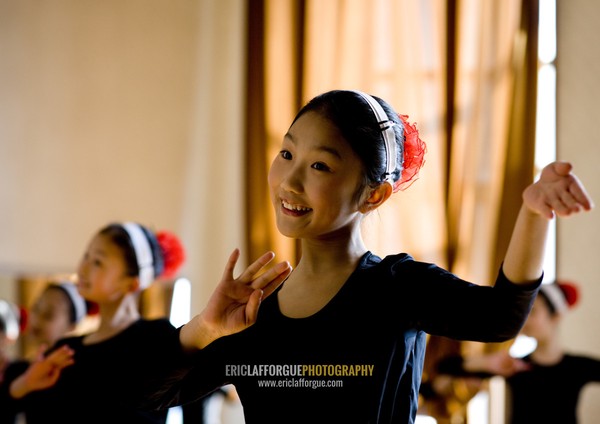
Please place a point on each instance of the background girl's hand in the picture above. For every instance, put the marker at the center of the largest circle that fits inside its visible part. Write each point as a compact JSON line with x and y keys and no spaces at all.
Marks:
{"x":557,"y":192}
{"x":501,"y":363}
{"x":43,"y":372}
{"x":234,"y":304}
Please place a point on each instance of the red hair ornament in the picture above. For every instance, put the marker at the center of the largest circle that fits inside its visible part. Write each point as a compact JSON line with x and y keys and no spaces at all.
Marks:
{"x":414,"y":155}
{"x":173,"y":253}
{"x":570,"y":291}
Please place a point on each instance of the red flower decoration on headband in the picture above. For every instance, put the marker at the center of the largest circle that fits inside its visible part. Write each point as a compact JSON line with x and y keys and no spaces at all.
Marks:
{"x":173,"y":253}
{"x":570,"y":291}
{"x":414,"y":155}
{"x":92,"y":308}
{"x":23,"y":319}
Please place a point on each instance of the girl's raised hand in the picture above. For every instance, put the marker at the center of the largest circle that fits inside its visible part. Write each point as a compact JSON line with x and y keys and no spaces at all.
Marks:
{"x":234,"y":304}
{"x":557,"y":192}
{"x":43,"y":372}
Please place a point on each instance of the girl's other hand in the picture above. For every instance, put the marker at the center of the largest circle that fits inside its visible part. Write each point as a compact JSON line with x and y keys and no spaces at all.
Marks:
{"x":234,"y":304}
{"x":557,"y":192}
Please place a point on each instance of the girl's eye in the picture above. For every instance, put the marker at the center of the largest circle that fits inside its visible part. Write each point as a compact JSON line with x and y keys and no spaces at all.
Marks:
{"x":286,"y":155}
{"x":320,"y":166}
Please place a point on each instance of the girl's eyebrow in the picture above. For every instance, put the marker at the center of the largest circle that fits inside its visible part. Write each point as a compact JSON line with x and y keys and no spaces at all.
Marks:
{"x":320,"y":147}
{"x":99,"y":252}
{"x":329,"y":150}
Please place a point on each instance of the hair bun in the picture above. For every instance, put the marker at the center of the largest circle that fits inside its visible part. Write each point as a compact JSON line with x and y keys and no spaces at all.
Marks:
{"x":571,"y":292}
{"x":173,"y":253}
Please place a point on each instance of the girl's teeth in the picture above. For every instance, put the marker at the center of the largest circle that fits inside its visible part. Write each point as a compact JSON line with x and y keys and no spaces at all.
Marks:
{"x":294,"y":207}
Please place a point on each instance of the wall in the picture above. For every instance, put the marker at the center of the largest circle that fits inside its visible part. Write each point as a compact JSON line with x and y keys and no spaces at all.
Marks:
{"x":120,"y":110}
{"x":578,"y":239}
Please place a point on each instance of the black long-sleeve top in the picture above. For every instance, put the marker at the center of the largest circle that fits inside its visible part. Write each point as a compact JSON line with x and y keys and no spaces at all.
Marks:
{"x":360,"y":358}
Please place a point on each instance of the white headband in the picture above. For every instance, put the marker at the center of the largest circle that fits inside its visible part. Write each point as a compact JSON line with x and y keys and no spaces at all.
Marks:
{"x":10,"y":315}
{"x":387,"y":129}
{"x":143,"y":253}
{"x":555,"y":296}
{"x":78,"y":302}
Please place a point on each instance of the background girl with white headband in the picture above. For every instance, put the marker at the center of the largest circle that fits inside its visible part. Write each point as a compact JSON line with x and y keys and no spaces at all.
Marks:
{"x":104,"y":368}
{"x":545,"y":385}
{"x":10,"y":328}
{"x":343,"y":339}
{"x":54,"y":315}
{"x":548,"y":391}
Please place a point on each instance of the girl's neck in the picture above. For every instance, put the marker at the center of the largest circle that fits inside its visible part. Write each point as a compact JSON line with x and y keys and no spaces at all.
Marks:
{"x":321,"y":273}
{"x":114,"y":318}
{"x":318,"y":257}
{"x":548,"y":352}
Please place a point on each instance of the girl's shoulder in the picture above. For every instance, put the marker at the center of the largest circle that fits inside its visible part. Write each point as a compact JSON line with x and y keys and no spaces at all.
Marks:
{"x":154,"y":323}
{"x":71,"y":341}
{"x":152,"y":327}
{"x":400,"y":263}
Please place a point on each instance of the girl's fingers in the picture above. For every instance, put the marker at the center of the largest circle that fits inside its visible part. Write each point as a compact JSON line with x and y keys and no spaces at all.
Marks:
{"x":562,"y":168}
{"x":546,"y":211}
{"x":252,"y":307}
{"x":564,"y":204}
{"x":580,"y":195}
{"x":230,"y":266}
{"x":272,"y":286}
{"x":272,"y":274}
{"x":62,"y":356}
{"x":255,"y":267}
{"x":273,"y":278}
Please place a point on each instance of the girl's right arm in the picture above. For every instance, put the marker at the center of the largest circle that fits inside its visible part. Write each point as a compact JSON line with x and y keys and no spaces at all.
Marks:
{"x":43,"y":373}
{"x":234,"y":304}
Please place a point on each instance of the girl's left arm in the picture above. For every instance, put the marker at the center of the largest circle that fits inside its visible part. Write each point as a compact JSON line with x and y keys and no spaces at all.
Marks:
{"x":558,"y":192}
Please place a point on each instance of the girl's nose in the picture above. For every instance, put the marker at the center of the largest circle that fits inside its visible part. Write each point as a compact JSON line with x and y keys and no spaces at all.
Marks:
{"x":293,"y":180}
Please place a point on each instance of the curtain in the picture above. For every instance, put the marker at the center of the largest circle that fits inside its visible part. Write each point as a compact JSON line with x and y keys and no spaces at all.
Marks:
{"x":273,"y":74}
{"x":492,"y":139}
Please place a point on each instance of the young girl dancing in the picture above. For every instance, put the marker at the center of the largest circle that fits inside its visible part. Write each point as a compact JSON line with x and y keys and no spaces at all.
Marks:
{"x":343,"y":339}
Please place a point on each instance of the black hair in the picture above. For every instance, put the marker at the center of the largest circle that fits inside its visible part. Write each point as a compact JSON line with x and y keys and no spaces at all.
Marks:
{"x":72,"y":312}
{"x":356,"y":121}
{"x":119,"y":236}
{"x":551,"y":307}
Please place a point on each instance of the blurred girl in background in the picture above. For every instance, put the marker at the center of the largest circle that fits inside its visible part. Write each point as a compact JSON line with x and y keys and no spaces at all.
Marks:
{"x":88,"y":378}
{"x":545,"y":385}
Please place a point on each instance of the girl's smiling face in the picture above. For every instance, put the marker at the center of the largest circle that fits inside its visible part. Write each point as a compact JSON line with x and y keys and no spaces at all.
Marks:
{"x":101,"y":272}
{"x":314,"y":181}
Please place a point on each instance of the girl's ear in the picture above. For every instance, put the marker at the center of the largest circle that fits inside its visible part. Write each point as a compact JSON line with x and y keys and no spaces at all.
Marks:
{"x":377,"y":197}
{"x":133,"y":285}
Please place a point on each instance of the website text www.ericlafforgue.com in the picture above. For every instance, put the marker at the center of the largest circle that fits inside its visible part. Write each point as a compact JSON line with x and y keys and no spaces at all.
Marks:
{"x":313,"y":376}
